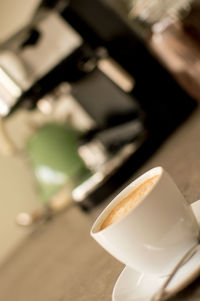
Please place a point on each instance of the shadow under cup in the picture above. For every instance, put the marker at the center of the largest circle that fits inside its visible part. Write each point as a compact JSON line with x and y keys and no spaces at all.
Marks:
{"x":156,"y":233}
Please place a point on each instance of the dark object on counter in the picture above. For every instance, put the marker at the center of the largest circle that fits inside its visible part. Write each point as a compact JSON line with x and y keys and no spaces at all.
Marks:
{"x":162,"y":99}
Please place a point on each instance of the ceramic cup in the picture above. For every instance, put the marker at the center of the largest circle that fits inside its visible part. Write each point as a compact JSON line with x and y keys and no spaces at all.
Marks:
{"x":153,"y":236}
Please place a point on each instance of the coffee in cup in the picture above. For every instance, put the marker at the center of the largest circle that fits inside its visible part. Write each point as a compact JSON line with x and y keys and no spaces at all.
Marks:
{"x":129,"y":202}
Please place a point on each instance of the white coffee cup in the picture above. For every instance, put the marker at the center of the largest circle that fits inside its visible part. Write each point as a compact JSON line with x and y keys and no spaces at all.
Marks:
{"x":154,"y":235}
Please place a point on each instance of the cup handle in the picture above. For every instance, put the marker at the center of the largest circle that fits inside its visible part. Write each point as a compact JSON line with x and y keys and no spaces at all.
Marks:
{"x":196,"y":210}
{"x":162,"y":294}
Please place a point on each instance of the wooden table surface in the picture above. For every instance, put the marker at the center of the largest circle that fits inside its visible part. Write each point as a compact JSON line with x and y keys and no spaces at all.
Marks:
{"x":60,"y":261}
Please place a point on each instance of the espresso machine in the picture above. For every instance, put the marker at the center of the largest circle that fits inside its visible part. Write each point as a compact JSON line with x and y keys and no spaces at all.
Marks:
{"x":82,"y":58}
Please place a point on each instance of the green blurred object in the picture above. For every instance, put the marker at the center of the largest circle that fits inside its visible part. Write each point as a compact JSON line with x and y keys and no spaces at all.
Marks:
{"x":55,"y":160}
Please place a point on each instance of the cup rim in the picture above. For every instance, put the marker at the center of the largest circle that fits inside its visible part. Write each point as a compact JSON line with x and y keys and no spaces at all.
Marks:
{"x":122,"y":194}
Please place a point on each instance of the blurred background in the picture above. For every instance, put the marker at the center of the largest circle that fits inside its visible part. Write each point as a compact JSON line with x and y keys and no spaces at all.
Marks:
{"x":89,"y":90}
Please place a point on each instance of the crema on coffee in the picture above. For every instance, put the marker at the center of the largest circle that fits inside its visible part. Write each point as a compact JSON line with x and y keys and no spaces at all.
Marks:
{"x":127,"y":203}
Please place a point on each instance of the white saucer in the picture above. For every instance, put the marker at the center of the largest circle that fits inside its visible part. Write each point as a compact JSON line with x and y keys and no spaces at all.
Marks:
{"x":134,"y":286}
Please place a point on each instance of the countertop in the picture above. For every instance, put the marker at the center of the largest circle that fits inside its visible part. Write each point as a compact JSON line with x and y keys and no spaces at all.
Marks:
{"x":59,"y":261}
